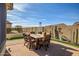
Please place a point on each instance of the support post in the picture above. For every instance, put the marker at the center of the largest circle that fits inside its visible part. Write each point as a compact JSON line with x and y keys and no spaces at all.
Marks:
{"x":2,"y":27}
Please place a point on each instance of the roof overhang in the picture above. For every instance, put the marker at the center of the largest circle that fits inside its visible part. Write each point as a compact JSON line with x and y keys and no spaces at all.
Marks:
{"x":9,"y":6}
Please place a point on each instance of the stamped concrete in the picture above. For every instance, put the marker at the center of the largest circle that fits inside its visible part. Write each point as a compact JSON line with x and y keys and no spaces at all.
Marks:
{"x":17,"y":48}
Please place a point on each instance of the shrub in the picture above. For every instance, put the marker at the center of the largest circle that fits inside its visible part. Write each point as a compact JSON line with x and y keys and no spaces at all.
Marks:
{"x":13,"y":37}
{"x":8,"y":30}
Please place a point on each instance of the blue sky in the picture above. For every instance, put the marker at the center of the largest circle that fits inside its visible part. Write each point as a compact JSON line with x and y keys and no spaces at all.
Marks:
{"x":31,"y":14}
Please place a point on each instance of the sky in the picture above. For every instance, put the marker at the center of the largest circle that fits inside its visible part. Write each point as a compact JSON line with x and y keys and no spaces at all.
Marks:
{"x":30,"y":14}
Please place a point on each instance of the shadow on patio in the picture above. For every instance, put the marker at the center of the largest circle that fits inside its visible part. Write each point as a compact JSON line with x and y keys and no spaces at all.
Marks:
{"x":55,"y":50}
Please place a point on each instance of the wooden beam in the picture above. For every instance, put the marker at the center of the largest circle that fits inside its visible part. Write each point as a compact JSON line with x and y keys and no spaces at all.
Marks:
{"x":9,"y":6}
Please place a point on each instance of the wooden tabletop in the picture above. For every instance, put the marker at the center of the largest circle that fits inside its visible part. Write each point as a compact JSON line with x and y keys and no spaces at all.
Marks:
{"x":37,"y":35}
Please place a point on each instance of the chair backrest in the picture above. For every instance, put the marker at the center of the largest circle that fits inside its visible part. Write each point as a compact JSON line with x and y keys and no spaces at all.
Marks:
{"x":28,"y":37}
{"x":32,"y":32}
{"x":47,"y":37}
{"x":39,"y":32}
{"x":24,"y":35}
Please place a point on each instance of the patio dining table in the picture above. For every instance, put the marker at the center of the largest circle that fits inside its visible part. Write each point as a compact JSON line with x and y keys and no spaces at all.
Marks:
{"x":37,"y":38}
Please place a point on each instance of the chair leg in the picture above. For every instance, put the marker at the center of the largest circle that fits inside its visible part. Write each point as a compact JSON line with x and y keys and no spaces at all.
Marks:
{"x":37,"y":46}
{"x":29,"y":46}
{"x":24,"y":43}
{"x":46,"y":47}
{"x":40,"y":46}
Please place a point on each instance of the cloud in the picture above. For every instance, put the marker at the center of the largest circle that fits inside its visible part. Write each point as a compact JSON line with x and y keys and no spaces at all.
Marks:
{"x":20,"y":7}
{"x":44,"y":19}
{"x":9,"y":15}
{"x":17,"y":14}
{"x":75,"y":17}
{"x":16,"y":19}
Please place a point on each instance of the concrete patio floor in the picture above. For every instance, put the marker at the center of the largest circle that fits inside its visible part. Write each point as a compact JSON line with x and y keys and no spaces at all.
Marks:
{"x":17,"y":48}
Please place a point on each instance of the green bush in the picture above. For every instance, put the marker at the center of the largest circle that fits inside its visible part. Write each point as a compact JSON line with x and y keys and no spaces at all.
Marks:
{"x":8,"y":30}
{"x":19,"y":30}
{"x":14,"y":37}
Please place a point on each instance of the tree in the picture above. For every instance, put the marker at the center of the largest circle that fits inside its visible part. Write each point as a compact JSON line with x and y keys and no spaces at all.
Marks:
{"x":76,"y":36}
{"x":60,"y":33}
{"x":8,"y":30}
{"x":56,"y":33}
{"x":73,"y":36}
{"x":18,"y":28}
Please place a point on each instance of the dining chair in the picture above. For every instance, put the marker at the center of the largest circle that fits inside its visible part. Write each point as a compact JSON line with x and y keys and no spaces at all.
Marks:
{"x":46,"y":41}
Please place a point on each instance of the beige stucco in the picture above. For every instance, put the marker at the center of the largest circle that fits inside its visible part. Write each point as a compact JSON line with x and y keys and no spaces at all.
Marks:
{"x":8,"y":25}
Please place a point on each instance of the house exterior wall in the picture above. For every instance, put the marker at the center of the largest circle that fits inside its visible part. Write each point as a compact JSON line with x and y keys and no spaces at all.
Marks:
{"x":48,"y":29}
{"x":75,"y":34}
{"x":2,"y":27}
{"x":68,"y":31}
{"x":9,"y":6}
{"x":8,"y":25}
{"x":65,"y":30}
